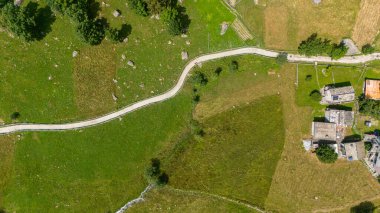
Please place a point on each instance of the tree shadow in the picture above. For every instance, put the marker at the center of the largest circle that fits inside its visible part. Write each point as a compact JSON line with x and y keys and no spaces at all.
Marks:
{"x":352,"y":138}
{"x":319,"y":119}
{"x":185,"y":19}
{"x":363,"y":207}
{"x":126,"y":30}
{"x":45,"y":18}
{"x":340,"y":107}
{"x":340,"y":84}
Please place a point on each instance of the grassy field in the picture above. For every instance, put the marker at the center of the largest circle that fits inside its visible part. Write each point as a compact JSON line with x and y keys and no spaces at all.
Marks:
{"x":76,"y":83}
{"x":169,"y":200}
{"x":238,"y":154}
{"x":367,"y":24}
{"x":282,"y":24}
{"x":97,"y":169}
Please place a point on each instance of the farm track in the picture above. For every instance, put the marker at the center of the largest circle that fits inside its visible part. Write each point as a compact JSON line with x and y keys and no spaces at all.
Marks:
{"x":7,"y":129}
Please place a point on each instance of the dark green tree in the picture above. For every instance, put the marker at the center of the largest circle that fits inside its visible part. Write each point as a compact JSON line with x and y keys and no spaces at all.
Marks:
{"x":172,"y":18}
{"x":15,"y":115}
{"x":21,"y":20}
{"x":308,"y":78}
{"x":200,"y":78}
{"x":370,"y":107}
{"x":91,"y":32}
{"x":326,"y":154}
{"x":314,"y":46}
{"x":162,"y":179}
{"x":4,"y":2}
{"x":363,"y":207}
{"x":338,"y":51}
{"x":368,"y":49}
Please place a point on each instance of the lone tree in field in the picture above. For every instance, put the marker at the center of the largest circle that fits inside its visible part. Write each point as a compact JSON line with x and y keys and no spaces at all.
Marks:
{"x":282,"y":58}
{"x":314,"y":46}
{"x":172,"y":18}
{"x":368,"y":49}
{"x":338,"y":51}
{"x":326,"y":154}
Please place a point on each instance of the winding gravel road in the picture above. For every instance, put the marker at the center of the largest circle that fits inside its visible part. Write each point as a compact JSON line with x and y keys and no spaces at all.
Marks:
{"x":172,"y":92}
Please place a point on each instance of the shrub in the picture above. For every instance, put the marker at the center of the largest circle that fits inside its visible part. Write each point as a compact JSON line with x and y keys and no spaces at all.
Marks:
{"x":282,"y":58}
{"x":370,"y":107}
{"x":368,"y":146}
{"x":234,"y":66}
{"x":4,"y":2}
{"x":316,"y":95}
{"x":326,"y":154}
{"x":363,"y":207}
{"x":308,"y":78}
{"x":154,"y":173}
{"x":91,"y":32}
{"x":314,"y":46}
{"x":218,"y":70}
{"x":172,"y":18}
{"x":20,"y":20}
{"x":338,"y":51}
{"x":368,"y":49}
{"x":139,"y":6}
{"x":200,"y":78}
{"x":15,"y":115}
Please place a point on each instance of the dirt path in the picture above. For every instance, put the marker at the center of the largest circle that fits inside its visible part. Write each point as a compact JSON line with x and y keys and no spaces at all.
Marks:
{"x":181,"y":81}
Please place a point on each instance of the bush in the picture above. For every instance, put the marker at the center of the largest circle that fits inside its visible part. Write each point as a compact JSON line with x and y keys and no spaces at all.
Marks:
{"x":368,"y":146}
{"x":200,"y":78}
{"x":234,"y":66}
{"x":282,"y":58}
{"x":370,"y":107}
{"x":338,"y":51}
{"x":91,"y":32}
{"x":139,"y":6}
{"x":4,"y":2}
{"x":308,"y":78}
{"x":15,"y":115}
{"x":218,"y":70}
{"x":326,"y":154}
{"x":314,"y":46}
{"x":20,"y":20}
{"x":363,"y":207}
{"x":172,"y":18}
{"x":316,"y":95}
{"x":154,"y":173}
{"x":368,"y":49}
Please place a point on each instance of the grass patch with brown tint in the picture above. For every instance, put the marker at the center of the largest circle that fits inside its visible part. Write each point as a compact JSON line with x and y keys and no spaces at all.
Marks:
{"x":288,"y":22}
{"x":276,"y":27}
{"x":94,"y":71}
{"x":7,"y":146}
{"x":367,"y":24}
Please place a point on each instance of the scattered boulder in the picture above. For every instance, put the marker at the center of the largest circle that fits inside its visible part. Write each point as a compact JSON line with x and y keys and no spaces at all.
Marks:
{"x":123,"y":57}
{"x":125,"y":40}
{"x":184,"y":36}
{"x":116,"y":13}
{"x":75,"y":54}
{"x":170,"y":42}
{"x":131,"y":63}
{"x":224,"y":27}
{"x":317,"y":1}
{"x":114,"y":97}
{"x":18,"y":2}
{"x":184,"y":55}
{"x":188,"y":42}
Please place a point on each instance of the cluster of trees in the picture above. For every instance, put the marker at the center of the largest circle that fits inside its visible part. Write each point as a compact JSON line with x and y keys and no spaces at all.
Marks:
{"x":314,"y":46}
{"x":154,"y":173}
{"x":92,"y":30}
{"x":171,"y":14}
{"x":27,"y":22}
{"x":326,"y":154}
{"x":370,"y":107}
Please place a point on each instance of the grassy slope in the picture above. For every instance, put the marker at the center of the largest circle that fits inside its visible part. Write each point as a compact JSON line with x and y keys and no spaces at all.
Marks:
{"x":238,"y":154}
{"x":25,"y":68}
{"x":96,"y":169}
